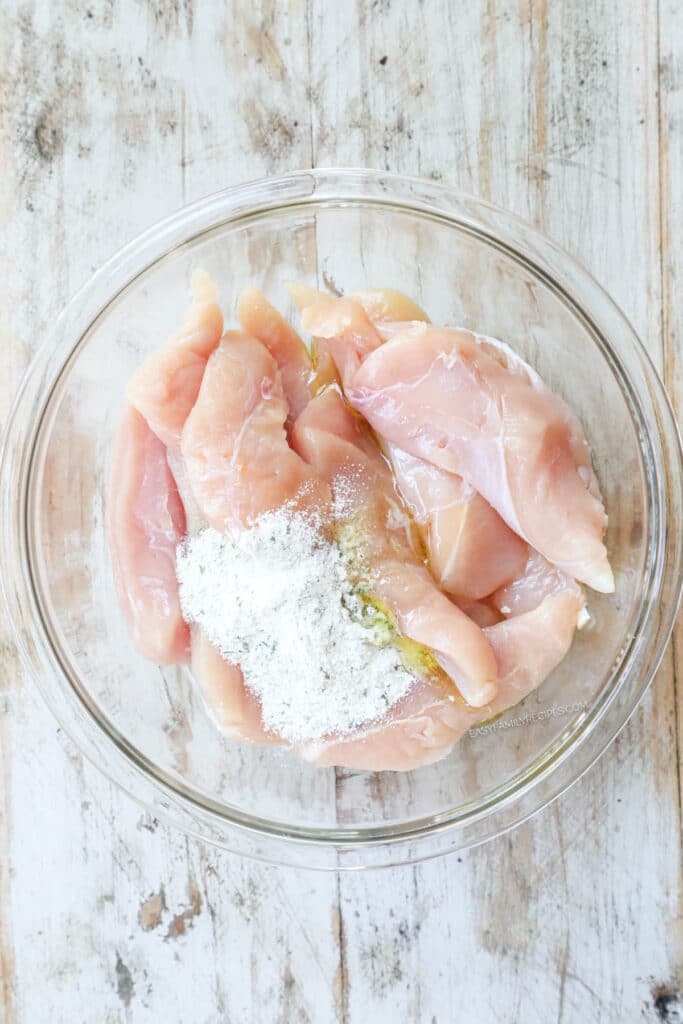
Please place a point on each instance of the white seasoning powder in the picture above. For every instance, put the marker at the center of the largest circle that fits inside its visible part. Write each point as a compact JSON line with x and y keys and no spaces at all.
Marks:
{"x":276,"y":600}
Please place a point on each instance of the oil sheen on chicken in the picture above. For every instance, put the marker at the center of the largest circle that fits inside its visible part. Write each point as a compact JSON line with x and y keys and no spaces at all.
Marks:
{"x":340,"y":449}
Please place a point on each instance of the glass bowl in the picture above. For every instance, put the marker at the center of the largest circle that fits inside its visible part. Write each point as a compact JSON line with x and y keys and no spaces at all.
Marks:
{"x":467,"y":263}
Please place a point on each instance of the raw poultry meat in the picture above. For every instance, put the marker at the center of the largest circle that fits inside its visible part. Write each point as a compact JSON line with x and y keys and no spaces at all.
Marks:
{"x":384,"y":305}
{"x":237,"y":456}
{"x":261,"y":320}
{"x":492,"y":467}
{"x":483,"y":612}
{"x":424,"y":727}
{"x":236,"y":710}
{"x":471,"y":550}
{"x":530,"y":645}
{"x":145,"y":523}
{"x":239,"y":465}
{"x":349,"y":333}
{"x":336,"y":444}
{"x":537,"y":580}
{"x":420,"y":730}
{"x":381,"y":305}
{"x":476,"y":410}
{"x":165,"y":387}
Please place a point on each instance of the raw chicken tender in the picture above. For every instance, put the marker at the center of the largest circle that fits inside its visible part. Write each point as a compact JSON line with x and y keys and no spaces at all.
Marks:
{"x":239,"y":463}
{"x":420,"y":730}
{"x":425,"y":727}
{"x":145,"y":523}
{"x":194,"y":517}
{"x":381,"y":305}
{"x":475,"y":465}
{"x":333,"y":440}
{"x":349,"y":333}
{"x":473,"y":408}
{"x":387,"y":305}
{"x":483,"y":612}
{"x":537,"y":581}
{"x":235,"y":708}
{"x":529,"y":646}
{"x":262,"y":321}
{"x":165,"y":387}
{"x":472,"y":552}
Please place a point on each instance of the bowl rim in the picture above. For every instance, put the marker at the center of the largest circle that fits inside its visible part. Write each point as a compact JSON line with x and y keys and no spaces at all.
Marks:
{"x":250,"y":834}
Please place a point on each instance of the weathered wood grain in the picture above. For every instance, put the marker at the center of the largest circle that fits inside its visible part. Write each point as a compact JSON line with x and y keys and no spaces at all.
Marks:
{"x":124,"y":113}
{"x":550,"y":110}
{"x":111,"y":115}
{"x":670,"y":116}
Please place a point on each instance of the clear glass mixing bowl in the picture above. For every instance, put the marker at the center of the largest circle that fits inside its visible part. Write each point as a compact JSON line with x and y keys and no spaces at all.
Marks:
{"x":466,"y":263}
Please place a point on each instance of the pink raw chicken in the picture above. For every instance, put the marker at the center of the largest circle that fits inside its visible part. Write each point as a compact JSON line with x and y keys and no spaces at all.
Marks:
{"x":145,"y":523}
{"x":193,"y":514}
{"x":537,"y":581}
{"x":239,"y":463}
{"x":471,"y":407}
{"x":349,"y":333}
{"x":262,"y":321}
{"x":381,"y":305}
{"x":472,"y":551}
{"x":425,"y":727}
{"x":337,"y":360}
{"x":165,"y":387}
{"x":338,"y":447}
{"x":483,"y":612}
{"x":235,"y":708}
{"x":386,"y":305}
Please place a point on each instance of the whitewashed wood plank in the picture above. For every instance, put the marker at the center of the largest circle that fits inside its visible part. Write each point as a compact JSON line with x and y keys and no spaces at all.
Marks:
{"x":549,"y":110}
{"x":129,"y":111}
{"x":670,"y":111}
{"x":571,"y":916}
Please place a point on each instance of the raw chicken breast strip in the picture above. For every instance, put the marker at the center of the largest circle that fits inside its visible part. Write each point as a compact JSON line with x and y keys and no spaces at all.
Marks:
{"x":356,"y":317}
{"x":349,"y":334}
{"x":336,"y":444}
{"x":386,"y":305}
{"x":238,"y":460}
{"x":324,"y":369}
{"x":194,"y":518}
{"x":145,"y":523}
{"x":482,"y":612}
{"x":235,"y":709}
{"x":471,"y":407}
{"x":538,"y":580}
{"x":425,"y":727}
{"x":165,"y":387}
{"x":471,"y":550}
{"x":238,"y":465}
{"x":258,"y":318}
{"x":381,"y":305}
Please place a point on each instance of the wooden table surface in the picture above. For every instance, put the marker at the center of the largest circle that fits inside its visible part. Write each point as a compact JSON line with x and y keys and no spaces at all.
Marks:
{"x":113,"y":113}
